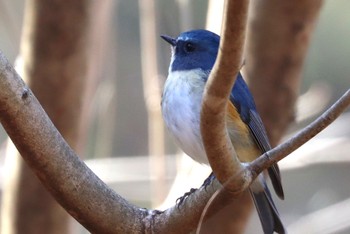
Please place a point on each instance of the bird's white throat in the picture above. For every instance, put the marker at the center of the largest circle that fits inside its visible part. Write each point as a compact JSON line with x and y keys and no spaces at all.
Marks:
{"x":181,"y":103}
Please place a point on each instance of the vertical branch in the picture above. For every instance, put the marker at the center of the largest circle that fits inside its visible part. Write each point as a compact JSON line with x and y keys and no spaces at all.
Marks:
{"x":98,"y":74}
{"x":219,"y":149}
{"x":278,"y":38}
{"x":53,"y":51}
{"x":217,"y":143}
{"x":151,"y":89}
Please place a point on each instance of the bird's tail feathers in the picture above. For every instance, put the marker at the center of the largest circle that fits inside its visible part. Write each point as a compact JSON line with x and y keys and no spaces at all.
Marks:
{"x":267,"y":212}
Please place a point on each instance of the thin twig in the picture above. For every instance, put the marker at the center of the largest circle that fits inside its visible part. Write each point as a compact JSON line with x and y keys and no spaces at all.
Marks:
{"x":304,"y":135}
{"x":281,"y":151}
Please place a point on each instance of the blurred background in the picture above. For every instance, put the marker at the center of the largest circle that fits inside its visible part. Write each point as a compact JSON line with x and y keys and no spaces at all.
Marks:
{"x":124,"y":131}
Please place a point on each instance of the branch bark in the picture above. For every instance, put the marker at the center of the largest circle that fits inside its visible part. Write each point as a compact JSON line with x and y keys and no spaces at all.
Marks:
{"x":152,"y":94}
{"x":221,"y":155}
{"x":53,"y":62}
{"x":283,"y":150}
{"x":278,"y":37}
{"x":68,"y":179}
{"x":82,"y":193}
{"x":73,"y":184}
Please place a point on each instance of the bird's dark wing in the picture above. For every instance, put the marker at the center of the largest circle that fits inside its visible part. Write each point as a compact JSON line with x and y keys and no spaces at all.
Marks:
{"x":243,"y":101}
{"x":256,"y":127}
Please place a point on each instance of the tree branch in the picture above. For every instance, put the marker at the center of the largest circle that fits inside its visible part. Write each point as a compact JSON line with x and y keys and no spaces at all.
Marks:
{"x":53,"y":60}
{"x":283,"y":150}
{"x":81,"y":193}
{"x":69,"y":180}
{"x":278,"y":38}
{"x":217,"y":143}
{"x":85,"y":196}
{"x":254,"y":168}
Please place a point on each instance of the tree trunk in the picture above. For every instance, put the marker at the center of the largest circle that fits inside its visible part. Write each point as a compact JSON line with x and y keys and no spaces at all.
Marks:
{"x":54,"y":55}
{"x":278,"y":38}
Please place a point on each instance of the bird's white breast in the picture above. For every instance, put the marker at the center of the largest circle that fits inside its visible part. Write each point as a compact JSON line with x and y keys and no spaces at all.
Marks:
{"x":181,"y":103}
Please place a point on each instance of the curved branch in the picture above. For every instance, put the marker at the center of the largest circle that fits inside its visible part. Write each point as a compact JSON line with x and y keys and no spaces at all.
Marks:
{"x":216,"y":141}
{"x":80,"y":192}
{"x":69,"y":180}
{"x":276,"y":154}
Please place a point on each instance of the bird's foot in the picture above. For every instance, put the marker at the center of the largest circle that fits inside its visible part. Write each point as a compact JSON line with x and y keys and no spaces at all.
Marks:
{"x":180,"y":200}
{"x":157,"y":212}
{"x":208,"y":180}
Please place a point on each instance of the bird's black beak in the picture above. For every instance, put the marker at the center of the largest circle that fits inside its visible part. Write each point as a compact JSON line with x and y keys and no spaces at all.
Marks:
{"x":170,"y":40}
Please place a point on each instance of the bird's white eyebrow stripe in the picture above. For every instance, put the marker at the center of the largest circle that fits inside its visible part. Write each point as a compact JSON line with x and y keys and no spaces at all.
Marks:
{"x":183,"y":38}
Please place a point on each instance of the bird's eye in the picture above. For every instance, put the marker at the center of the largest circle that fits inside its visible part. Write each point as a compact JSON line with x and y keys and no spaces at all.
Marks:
{"x":189,"y":47}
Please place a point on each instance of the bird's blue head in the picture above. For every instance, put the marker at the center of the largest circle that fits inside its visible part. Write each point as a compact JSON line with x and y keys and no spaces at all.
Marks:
{"x":196,"y":49}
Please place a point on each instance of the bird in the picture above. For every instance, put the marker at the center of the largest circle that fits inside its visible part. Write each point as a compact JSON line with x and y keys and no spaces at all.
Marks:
{"x":193,"y":54}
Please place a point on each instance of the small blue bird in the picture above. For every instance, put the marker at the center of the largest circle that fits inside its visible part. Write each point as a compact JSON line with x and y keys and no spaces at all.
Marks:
{"x":193,"y":56}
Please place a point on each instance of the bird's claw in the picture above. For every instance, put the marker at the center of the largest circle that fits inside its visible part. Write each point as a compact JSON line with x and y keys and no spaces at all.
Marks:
{"x":180,"y":200}
{"x":208,"y":180}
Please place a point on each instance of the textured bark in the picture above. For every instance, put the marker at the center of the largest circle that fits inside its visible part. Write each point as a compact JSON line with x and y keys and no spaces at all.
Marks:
{"x":282,"y":150}
{"x":54,"y":55}
{"x":152,"y":94}
{"x":82,"y":193}
{"x":217,"y":143}
{"x":65,"y":176}
{"x":278,"y":39}
{"x":233,"y":217}
{"x":79,"y":191}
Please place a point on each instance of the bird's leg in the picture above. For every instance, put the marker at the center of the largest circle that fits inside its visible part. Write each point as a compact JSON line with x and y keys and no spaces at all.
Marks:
{"x":181,"y":199}
{"x":206,"y":182}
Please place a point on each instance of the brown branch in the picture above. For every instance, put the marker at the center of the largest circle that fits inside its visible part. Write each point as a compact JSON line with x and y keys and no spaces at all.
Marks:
{"x":278,"y":38}
{"x":151,"y":90}
{"x":73,"y":184}
{"x":283,"y":150}
{"x":220,"y":152}
{"x":222,"y":196}
{"x":217,"y":143}
{"x":81,"y":193}
{"x":69,"y":180}
{"x":297,"y":27}
{"x":284,"y":56}
{"x":53,"y":61}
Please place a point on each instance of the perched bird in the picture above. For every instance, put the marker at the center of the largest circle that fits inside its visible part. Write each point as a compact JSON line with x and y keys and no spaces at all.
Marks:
{"x":193,"y":56}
